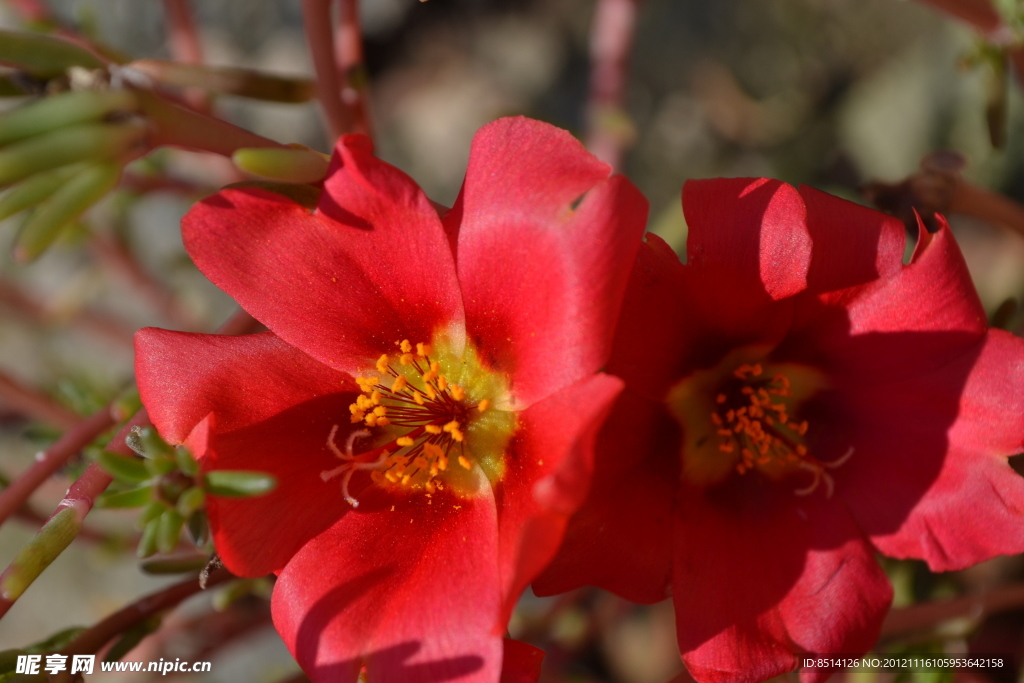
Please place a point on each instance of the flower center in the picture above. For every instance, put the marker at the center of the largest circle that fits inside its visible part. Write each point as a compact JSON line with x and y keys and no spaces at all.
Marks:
{"x":740,"y":416}
{"x":433,"y":418}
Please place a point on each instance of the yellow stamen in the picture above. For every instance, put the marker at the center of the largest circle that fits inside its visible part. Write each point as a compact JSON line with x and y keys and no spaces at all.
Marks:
{"x":399,"y":384}
{"x":423,"y":349}
{"x":464,"y":461}
{"x":405,"y":346}
{"x":482,"y":405}
{"x":404,"y":441}
{"x":458,"y":393}
{"x":382,"y":363}
{"x":432,"y":429}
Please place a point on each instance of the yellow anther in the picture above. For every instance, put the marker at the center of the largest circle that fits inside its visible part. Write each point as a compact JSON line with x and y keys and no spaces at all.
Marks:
{"x":390,"y":477}
{"x":405,"y":479}
{"x":442,"y":382}
{"x":399,"y":384}
{"x":423,"y":349}
{"x":354,"y":408}
{"x":442,"y":462}
{"x":418,"y":397}
{"x":371,"y":420}
{"x":420,"y":462}
{"x":382,"y":363}
{"x":358,"y":417}
{"x":457,"y":435}
{"x":458,"y":393}
{"x":404,"y":441}
{"x":432,"y":429}
{"x":433,"y":450}
{"x":383,"y":422}
{"x":406,"y":359}
{"x":451,"y":426}
{"x":375,"y":398}
{"x":364,"y":403}
{"x":405,"y":346}
{"x":464,"y":461}
{"x":482,"y":405}
{"x":429,"y":486}
{"x":431,"y":394}
{"x":380,"y":411}
{"x":435,"y":367}
{"x":429,"y":376}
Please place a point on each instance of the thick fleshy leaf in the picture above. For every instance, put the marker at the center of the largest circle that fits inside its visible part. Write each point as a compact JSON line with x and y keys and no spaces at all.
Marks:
{"x":761,"y":575}
{"x":542,"y":277}
{"x":255,"y":536}
{"x":929,"y":478}
{"x":619,"y":540}
{"x":184,"y":377}
{"x":370,"y":267}
{"x":410,"y":592}
{"x":751,"y":231}
{"x":549,"y":466}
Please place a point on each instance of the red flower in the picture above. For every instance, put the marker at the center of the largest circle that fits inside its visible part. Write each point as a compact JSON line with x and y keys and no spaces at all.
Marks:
{"x":427,"y":395}
{"x":796,"y":400}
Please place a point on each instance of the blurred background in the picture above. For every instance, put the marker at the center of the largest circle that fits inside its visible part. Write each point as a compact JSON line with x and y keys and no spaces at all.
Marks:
{"x":831,"y":93}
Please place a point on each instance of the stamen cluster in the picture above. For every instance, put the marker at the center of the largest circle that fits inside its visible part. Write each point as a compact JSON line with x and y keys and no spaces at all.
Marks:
{"x":755,"y":420}
{"x":416,"y":395}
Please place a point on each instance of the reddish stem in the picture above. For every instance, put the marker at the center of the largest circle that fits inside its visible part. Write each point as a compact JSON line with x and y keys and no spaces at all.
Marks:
{"x":115,"y":254}
{"x":83,"y":493}
{"x":316,"y":18}
{"x":52,"y":459}
{"x":611,"y":40}
{"x":101,"y":325}
{"x":930,"y":614}
{"x":185,"y":46}
{"x":351,"y":66}
{"x":35,"y":404}
{"x":93,"y":639}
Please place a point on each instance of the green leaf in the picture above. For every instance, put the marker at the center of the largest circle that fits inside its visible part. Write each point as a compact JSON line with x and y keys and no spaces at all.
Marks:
{"x":43,"y":55}
{"x":169,"y":531}
{"x":133,"y":498}
{"x":295,"y":165}
{"x":191,"y":500}
{"x":95,"y":141}
{"x":66,"y":205}
{"x":35,"y":189}
{"x":239,"y":483}
{"x":186,"y":463}
{"x":147,"y":544}
{"x":124,"y":468}
{"x":61,"y":111}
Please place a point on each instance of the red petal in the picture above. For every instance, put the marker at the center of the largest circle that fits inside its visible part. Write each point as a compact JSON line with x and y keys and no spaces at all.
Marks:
{"x":620,"y":538}
{"x":761,"y":575}
{"x":370,"y":267}
{"x":542,"y":281}
{"x":411,"y":593}
{"x":751,"y":231}
{"x":184,"y":377}
{"x":256,"y":536}
{"x":851,"y":244}
{"x":548,"y":473}
{"x":921,"y":319}
{"x":651,"y":347}
{"x":929,"y":478}
{"x":521,"y":662}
